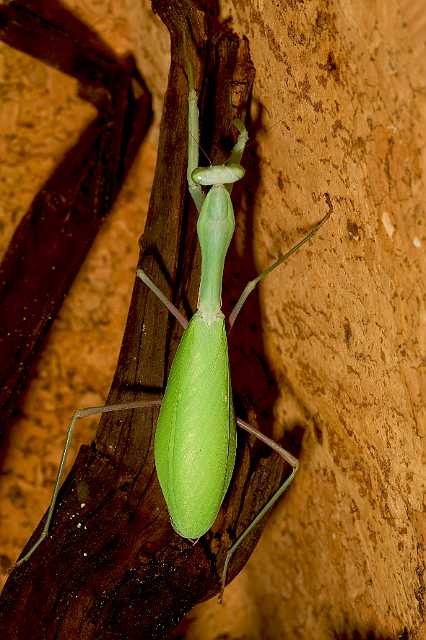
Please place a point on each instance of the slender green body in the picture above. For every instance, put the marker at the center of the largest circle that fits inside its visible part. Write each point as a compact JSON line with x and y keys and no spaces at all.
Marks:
{"x":195,"y":439}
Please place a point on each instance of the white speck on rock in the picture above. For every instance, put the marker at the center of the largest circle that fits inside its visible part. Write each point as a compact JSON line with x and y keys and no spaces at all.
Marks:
{"x":387,"y":223}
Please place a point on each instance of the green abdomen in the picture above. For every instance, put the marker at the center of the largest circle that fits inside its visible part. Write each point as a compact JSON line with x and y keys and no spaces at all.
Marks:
{"x":195,"y":440}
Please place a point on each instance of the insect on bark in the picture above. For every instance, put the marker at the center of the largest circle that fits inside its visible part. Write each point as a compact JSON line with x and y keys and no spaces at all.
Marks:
{"x":195,"y":438}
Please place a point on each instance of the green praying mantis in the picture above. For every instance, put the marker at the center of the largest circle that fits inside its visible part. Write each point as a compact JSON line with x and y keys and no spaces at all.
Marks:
{"x":196,"y":438}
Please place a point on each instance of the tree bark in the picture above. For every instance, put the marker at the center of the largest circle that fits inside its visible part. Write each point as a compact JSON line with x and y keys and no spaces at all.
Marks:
{"x":124,"y":572}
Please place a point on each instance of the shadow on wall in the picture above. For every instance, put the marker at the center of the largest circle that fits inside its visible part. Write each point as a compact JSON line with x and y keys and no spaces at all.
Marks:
{"x":371,"y":635}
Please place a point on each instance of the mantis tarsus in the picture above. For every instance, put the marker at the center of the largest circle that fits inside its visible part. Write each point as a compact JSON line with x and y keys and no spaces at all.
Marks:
{"x":195,"y":440}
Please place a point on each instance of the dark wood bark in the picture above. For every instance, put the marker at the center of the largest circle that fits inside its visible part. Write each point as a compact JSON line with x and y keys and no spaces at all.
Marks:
{"x":125,"y":573}
{"x":54,"y":237}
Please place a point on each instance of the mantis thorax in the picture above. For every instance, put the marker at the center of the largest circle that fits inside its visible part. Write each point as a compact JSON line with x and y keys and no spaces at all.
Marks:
{"x":215,"y":228}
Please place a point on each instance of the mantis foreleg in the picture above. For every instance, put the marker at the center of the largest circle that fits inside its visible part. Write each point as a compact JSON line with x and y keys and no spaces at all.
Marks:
{"x":194,"y":188}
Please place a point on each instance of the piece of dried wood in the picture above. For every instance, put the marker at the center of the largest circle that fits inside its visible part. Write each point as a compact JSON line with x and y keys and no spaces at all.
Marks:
{"x":125,"y":573}
{"x":55,"y":235}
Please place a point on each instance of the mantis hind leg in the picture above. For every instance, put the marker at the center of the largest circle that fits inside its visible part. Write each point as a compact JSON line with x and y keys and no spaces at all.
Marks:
{"x":80,"y":413}
{"x":84,"y":413}
{"x":293,"y":462}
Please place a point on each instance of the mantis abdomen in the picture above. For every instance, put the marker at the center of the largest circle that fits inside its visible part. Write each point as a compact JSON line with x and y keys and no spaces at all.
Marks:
{"x":195,"y":440}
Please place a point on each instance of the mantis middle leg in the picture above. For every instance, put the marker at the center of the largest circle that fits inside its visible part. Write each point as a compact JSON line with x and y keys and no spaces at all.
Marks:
{"x":250,"y":286}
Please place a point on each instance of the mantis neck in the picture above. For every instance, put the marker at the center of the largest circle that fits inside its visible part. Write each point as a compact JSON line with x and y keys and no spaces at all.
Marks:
{"x":215,"y":229}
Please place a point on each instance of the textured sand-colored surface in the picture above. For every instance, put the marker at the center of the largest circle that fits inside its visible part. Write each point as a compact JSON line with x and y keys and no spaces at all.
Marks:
{"x":342,"y":87}
{"x":41,"y":116}
{"x":343,"y":553}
